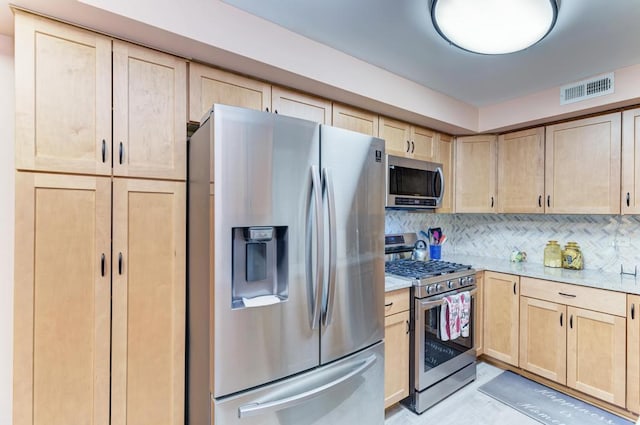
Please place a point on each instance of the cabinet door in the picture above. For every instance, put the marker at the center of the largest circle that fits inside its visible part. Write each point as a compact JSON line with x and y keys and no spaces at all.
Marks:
{"x":209,"y":85}
{"x":596,"y":353}
{"x":501,"y":315}
{"x":147,"y":384}
{"x":62,"y":300}
{"x":478,"y":315}
{"x":445,"y":157}
{"x":475,"y":171}
{"x":63,"y":97}
{"x":631,"y":161}
{"x":396,"y":135}
{"x":543,"y":338}
{"x":300,"y":105}
{"x":521,"y":171}
{"x":582,"y":166}
{"x":149,"y":113}
{"x":353,"y":119}
{"x":633,"y":353}
{"x":396,"y":358}
{"x":425,"y":143}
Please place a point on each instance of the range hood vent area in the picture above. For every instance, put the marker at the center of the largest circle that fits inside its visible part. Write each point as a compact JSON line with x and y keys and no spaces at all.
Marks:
{"x":586,"y":89}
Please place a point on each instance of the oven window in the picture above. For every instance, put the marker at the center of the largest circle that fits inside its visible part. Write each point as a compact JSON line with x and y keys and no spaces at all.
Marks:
{"x":437,"y":351}
{"x":413,"y":182}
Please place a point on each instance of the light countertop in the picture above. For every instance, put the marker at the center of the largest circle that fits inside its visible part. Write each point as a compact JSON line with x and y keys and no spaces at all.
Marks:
{"x":587,"y":277}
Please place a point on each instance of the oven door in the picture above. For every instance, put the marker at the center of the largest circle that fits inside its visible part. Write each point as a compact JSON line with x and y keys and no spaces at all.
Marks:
{"x":436,"y":359}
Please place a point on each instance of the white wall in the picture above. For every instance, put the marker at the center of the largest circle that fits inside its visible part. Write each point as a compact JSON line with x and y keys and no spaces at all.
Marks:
{"x":7,"y":170}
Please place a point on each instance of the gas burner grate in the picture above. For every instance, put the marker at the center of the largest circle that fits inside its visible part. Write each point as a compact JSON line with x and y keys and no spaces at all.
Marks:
{"x":422,"y":269}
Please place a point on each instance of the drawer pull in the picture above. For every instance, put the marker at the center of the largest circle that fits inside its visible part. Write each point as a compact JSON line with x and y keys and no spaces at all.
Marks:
{"x":566,"y":295}
{"x":389,"y":305}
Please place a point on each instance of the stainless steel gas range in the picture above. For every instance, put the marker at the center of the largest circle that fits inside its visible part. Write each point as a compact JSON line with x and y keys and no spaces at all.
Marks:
{"x":439,"y":365}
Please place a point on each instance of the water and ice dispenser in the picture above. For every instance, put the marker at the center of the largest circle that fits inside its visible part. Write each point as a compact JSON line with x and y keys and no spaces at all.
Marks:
{"x":260,"y":266}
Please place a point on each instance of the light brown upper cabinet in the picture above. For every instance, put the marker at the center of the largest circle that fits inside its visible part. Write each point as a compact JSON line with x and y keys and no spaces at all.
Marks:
{"x":631,"y":161}
{"x":354,"y":119}
{"x":300,"y":105}
{"x":149,"y":113}
{"x":64,"y":104}
{"x":210,"y":85}
{"x":475,"y":174}
{"x":403,"y":139}
{"x":582,"y":166}
{"x":445,"y":157}
{"x":521,"y":172}
{"x":63,"y":97}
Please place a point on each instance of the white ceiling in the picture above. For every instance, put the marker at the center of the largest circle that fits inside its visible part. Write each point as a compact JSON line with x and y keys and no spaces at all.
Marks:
{"x":590,"y":37}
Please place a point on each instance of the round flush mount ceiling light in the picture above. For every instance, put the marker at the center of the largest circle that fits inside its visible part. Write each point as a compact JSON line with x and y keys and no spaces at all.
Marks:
{"x":494,"y":27}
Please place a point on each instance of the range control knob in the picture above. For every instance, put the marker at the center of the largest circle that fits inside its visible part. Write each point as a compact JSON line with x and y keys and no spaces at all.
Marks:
{"x":463,"y":281}
{"x":431,"y":289}
{"x":471,"y":280}
{"x":439,"y":287}
{"x":450,"y":284}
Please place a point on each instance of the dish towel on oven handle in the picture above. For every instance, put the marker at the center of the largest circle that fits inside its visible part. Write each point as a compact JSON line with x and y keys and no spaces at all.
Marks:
{"x":465,"y":313}
{"x":450,"y":317}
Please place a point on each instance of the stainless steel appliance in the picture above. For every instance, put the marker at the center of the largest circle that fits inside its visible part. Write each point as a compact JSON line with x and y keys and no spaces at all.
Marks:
{"x":286,"y":272}
{"x":413,"y":184}
{"x":437,"y":368}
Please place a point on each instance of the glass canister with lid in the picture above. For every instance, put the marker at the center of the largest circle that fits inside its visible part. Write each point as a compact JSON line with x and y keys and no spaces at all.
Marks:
{"x":572,"y":256}
{"x":552,"y":254}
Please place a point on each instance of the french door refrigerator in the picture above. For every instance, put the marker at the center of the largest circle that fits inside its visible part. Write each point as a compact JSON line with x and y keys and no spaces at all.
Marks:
{"x":286,"y":272}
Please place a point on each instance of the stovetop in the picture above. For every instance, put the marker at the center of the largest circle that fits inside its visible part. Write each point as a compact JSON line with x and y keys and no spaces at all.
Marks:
{"x":422,"y":269}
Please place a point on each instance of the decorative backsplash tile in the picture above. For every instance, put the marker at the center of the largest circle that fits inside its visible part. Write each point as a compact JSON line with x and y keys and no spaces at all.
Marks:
{"x":607,"y":241}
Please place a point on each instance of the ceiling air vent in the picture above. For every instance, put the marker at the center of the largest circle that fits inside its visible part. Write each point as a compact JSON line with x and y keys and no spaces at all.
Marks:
{"x":586,"y":89}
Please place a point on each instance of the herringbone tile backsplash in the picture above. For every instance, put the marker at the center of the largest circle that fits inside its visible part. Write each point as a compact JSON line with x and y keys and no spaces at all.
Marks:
{"x":607,"y":241}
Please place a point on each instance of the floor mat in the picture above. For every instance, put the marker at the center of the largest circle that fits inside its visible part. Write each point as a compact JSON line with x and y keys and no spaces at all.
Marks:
{"x":544,"y":404}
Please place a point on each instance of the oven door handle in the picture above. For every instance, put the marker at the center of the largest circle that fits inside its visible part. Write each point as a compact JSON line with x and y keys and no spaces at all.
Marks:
{"x":428,"y":305}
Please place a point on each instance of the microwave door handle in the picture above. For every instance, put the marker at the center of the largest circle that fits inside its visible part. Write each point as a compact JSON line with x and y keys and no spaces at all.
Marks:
{"x":314,"y":292}
{"x":331,"y":207}
{"x":442,"y":183}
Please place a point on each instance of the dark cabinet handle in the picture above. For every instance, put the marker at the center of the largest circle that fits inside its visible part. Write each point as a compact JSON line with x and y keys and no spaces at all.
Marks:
{"x":540,"y":201}
{"x":492,"y":202}
{"x":628,"y":199}
{"x":266,"y":109}
{"x":633,"y":311}
{"x":561,"y":319}
{"x":120,"y":152}
{"x":102,"y":261}
{"x":119,"y":263}
{"x":549,"y":201}
{"x":564,"y":294}
{"x":407,"y":327}
{"x":275,"y":111}
{"x":413,"y":147}
{"x":104,"y":150}
{"x":514,"y":288}
{"x":408,"y":146}
{"x":571,"y":321}
{"x":389,"y":305}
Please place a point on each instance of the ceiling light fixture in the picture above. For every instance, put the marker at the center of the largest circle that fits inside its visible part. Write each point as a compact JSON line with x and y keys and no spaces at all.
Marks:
{"x":493,"y":27}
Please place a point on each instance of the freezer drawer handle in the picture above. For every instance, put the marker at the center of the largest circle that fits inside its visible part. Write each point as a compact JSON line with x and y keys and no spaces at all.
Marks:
{"x":255,"y":409}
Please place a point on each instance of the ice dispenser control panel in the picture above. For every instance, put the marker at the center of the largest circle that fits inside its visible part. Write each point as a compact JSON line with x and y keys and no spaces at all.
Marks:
{"x":260,"y":265}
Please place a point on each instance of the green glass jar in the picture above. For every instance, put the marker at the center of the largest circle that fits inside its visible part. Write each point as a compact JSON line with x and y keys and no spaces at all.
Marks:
{"x":572,"y":256}
{"x":553,"y":255}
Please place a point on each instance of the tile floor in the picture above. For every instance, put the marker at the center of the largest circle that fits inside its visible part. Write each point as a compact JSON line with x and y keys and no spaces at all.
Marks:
{"x":468,"y":406}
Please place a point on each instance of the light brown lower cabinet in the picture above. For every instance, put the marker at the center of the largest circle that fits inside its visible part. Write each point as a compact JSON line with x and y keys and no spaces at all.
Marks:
{"x":633,"y":353}
{"x":396,"y":347}
{"x":67,"y":322}
{"x":501,"y":314}
{"x":478,"y":315}
{"x":582,"y":348}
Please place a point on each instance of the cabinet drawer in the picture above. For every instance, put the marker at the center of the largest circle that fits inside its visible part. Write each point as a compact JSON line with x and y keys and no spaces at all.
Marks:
{"x":396,"y":301}
{"x":574,"y":295}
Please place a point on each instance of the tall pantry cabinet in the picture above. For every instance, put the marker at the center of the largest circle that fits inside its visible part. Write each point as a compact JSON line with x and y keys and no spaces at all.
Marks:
{"x":100,"y":229}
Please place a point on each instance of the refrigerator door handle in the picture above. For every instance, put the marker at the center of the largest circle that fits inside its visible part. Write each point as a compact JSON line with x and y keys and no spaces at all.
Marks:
{"x":331,"y":207}
{"x":261,"y":408}
{"x":314,"y":292}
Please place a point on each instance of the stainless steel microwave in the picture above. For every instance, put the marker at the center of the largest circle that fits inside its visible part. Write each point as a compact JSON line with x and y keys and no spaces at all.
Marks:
{"x":413,"y":184}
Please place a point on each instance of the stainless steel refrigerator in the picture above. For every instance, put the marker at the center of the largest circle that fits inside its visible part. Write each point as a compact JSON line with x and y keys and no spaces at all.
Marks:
{"x":286,"y":272}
